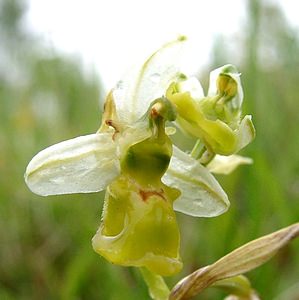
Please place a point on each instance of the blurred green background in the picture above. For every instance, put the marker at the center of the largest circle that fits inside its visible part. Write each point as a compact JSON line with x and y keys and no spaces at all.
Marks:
{"x":46,"y":97}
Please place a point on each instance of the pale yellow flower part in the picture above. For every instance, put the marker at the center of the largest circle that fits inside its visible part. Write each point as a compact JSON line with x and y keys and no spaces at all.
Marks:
{"x":215,"y":119}
{"x":227,"y":164}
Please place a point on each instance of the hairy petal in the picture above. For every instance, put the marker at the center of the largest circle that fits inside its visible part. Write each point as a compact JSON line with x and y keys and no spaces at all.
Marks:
{"x":143,"y":85}
{"x":201,"y":194}
{"x":80,"y":165}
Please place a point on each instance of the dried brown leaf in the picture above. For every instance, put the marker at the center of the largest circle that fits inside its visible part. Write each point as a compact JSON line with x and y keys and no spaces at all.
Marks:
{"x":239,"y":261}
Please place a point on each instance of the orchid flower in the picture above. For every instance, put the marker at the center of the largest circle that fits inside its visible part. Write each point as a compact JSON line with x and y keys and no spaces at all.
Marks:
{"x":215,"y":119}
{"x":131,"y":156}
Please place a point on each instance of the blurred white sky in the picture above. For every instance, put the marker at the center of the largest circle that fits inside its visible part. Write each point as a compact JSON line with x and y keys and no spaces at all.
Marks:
{"x":111,"y":34}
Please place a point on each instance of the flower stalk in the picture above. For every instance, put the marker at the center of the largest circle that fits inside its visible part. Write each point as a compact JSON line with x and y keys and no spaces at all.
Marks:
{"x":157,"y":287}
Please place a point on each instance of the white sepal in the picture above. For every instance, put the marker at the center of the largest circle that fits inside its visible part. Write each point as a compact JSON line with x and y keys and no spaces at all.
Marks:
{"x":193,"y":86}
{"x":81,"y":165}
{"x":201,"y":195}
{"x":134,"y":94}
{"x":246,"y":132}
{"x":226,"y":164}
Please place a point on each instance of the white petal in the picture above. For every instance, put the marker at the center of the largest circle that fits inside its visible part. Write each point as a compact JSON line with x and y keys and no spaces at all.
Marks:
{"x":134,"y":94}
{"x":201,"y":194}
{"x":226,"y":164}
{"x":246,"y":132}
{"x":80,"y":165}
{"x":193,"y":86}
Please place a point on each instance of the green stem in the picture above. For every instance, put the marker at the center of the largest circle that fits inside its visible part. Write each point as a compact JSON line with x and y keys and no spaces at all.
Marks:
{"x":157,"y":287}
{"x":198,"y":150}
{"x":239,"y":286}
{"x":206,"y":157}
{"x":202,"y":153}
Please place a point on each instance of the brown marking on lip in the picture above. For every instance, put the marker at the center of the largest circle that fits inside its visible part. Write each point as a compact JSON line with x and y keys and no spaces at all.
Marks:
{"x":114,"y":126}
{"x":154,"y":113}
{"x":156,"y":110}
{"x":146,"y":194}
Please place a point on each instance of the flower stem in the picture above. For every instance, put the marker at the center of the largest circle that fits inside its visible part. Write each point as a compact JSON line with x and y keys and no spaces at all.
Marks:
{"x":198,"y":150}
{"x":238,"y":286}
{"x":206,"y":157}
{"x":157,"y":287}
{"x":202,"y":153}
